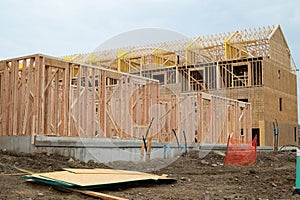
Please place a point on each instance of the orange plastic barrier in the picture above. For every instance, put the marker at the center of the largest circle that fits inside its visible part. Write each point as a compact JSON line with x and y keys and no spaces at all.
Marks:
{"x":240,"y":153}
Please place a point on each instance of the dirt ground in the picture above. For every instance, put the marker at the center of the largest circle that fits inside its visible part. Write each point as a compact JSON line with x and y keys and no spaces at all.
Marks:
{"x":272,"y":177}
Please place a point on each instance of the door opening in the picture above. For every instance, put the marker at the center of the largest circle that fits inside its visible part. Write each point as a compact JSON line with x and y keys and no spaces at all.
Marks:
{"x":255,"y":132}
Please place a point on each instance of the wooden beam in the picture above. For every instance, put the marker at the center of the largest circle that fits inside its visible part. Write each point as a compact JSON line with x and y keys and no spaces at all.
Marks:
{"x":15,"y":79}
{"x":70,"y":91}
{"x":36,"y":95}
{"x":5,"y":99}
{"x":95,"y":194}
{"x":54,"y":62}
{"x":27,"y":96}
{"x":93,"y":116}
{"x":42,"y":96}
{"x":78,"y":107}
{"x":102,"y":90}
{"x":24,"y":75}
{"x":85,"y":101}
{"x":56,"y":104}
{"x":65,"y":100}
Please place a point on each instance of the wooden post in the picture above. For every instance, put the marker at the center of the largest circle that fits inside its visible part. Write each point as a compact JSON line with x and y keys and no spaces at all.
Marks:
{"x":79,"y":122}
{"x":24,"y":75}
{"x":142,"y":149}
{"x":48,"y":100}
{"x":42,"y":96}
{"x":5,"y":99}
{"x":27,"y":100}
{"x":35,"y":95}
{"x":225,"y":128}
{"x":55,"y":104}
{"x":149,"y":145}
{"x":200,"y":122}
{"x":70,"y":70}
{"x":86,"y":105}
{"x":65,"y":99}
{"x":102,"y":103}
{"x":14,"y":107}
{"x":92,"y":119}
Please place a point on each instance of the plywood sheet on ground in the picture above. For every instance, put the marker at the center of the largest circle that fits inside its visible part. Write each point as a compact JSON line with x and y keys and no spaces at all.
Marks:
{"x":99,"y":177}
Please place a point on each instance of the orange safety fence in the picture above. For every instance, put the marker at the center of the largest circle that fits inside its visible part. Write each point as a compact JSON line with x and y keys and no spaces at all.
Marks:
{"x":240,"y":152}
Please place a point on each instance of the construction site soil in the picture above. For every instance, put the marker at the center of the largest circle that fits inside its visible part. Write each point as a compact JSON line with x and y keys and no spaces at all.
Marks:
{"x":197,"y":177}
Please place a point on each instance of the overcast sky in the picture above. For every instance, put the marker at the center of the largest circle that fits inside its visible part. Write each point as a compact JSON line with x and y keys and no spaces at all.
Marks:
{"x":63,"y":27}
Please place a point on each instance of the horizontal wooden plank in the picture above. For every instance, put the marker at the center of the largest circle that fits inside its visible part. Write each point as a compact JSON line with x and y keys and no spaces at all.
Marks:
{"x":96,"y":194}
{"x":55,"y":63}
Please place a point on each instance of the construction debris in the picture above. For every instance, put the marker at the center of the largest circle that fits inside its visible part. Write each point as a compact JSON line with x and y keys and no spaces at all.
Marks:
{"x":82,"y":180}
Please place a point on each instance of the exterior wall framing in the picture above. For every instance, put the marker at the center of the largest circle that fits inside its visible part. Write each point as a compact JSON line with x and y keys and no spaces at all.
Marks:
{"x":42,"y":95}
{"x":265,"y":78}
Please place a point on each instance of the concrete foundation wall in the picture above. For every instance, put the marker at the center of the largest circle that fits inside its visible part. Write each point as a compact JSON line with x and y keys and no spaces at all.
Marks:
{"x":98,"y":149}
{"x":101,"y":149}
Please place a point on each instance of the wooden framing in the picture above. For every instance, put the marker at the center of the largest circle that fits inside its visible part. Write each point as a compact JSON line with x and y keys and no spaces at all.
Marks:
{"x":249,"y":43}
{"x":254,"y":66}
{"x":41,"y":95}
{"x":49,"y":96}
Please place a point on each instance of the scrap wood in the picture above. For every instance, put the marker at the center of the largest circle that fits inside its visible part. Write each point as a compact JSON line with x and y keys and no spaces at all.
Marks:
{"x":70,"y":179}
{"x":82,"y":180}
{"x":24,"y":170}
{"x":86,"y":192}
{"x":95,"y":194}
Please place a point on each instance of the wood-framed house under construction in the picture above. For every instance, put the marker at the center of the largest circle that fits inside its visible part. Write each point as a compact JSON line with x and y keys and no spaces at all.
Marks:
{"x":252,"y":65}
{"x":206,"y":88}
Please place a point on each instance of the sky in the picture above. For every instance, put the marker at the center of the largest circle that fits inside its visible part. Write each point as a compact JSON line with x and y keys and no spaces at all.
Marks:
{"x":64,"y":27}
